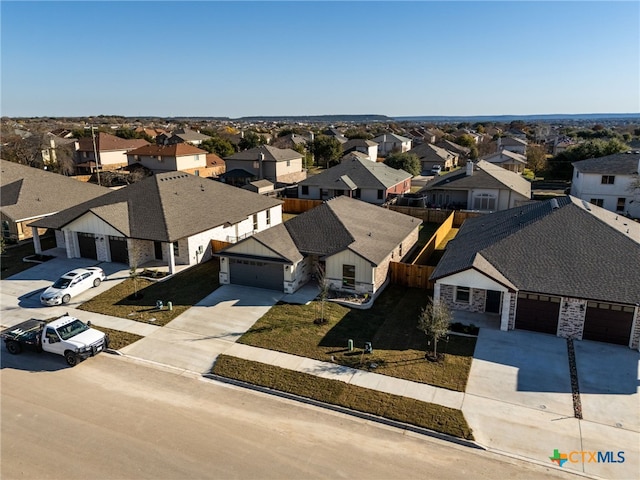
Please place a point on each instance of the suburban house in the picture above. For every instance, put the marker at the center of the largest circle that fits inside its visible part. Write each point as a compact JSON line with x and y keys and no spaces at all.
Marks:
{"x":463,"y":152}
{"x":609,"y":182}
{"x":431,"y":155}
{"x":181,"y":157}
{"x":291,"y":140}
{"x":29,"y":194}
{"x":111,"y":152}
{"x":481,"y":186}
{"x":392,"y":143}
{"x":534,"y":268}
{"x":354,"y":243}
{"x":369,"y":148}
{"x":335,"y":133}
{"x":53,"y":145}
{"x":514,"y":162}
{"x":265,"y":162}
{"x":182,"y":135}
{"x":512,"y":144}
{"x":169,"y":217}
{"x":358,"y":178}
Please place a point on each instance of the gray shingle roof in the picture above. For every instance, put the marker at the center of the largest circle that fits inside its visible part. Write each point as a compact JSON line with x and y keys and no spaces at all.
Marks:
{"x":30,"y":193}
{"x":358,"y":142}
{"x":391,"y":137}
{"x":576,"y":250}
{"x":361,"y":173}
{"x":167,"y":207}
{"x":277,"y":238}
{"x":618,"y":164}
{"x":505,"y":156}
{"x":485,"y":175}
{"x":271,"y":154}
{"x":345,"y":223}
{"x":431,"y":153}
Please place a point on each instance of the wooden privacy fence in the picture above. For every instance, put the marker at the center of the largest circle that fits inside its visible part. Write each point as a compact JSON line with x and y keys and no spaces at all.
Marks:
{"x":435,"y":215}
{"x":299,"y":205}
{"x":439,"y":235}
{"x":409,"y":275}
{"x":217,"y":245}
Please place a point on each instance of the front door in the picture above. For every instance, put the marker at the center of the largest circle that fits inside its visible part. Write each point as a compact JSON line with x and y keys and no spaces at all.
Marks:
{"x":492,"y":304}
{"x":157,"y":246}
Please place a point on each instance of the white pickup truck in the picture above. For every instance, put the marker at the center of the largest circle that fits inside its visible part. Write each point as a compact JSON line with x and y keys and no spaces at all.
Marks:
{"x":67,"y":336}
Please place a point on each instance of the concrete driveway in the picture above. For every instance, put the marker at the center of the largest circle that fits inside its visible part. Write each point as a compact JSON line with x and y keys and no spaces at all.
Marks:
{"x":193,"y":340}
{"x":20,"y":293}
{"x":518,"y":399}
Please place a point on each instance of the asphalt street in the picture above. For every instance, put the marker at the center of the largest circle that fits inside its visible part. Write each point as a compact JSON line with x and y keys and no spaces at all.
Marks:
{"x":116,"y":418}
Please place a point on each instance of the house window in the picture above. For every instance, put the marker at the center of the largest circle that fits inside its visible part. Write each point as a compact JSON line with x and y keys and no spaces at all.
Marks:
{"x":349,"y":276}
{"x":400,"y":250}
{"x":305,"y":189}
{"x":484,"y":201}
{"x":607,"y":179}
{"x":256,"y":165}
{"x":288,"y":163}
{"x":268,"y":217}
{"x":255,"y":221}
{"x":324,"y":193}
{"x":357,"y":193}
{"x":463,"y":294}
{"x":197,"y":173}
{"x":380,"y":194}
{"x":597,"y":201}
{"x":620,"y":205}
{"x":176,"y":249}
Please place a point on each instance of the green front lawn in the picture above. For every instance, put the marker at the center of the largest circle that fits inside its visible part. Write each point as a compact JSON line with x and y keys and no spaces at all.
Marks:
{"x":183,"y":290}
{"x":390,"y":325}
{"x":407,"y":410}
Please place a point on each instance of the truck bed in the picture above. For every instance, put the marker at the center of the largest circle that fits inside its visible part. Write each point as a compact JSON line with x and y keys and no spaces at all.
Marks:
{"x":25,"y":332}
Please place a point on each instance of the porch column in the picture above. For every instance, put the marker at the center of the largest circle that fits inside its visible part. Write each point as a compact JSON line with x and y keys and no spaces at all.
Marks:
{"x":69,"y":243}
{"x":504,"y":317}
{"x":36,"y":240}
{"x":436,"y":293}
{"x":172,"y":260}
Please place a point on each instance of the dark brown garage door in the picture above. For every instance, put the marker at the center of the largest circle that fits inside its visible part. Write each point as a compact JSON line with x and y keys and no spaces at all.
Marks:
{"x":607,"y":322}
{"x":537,"y":313}
{"x":118,"y":247}
{"x":87,"y":244}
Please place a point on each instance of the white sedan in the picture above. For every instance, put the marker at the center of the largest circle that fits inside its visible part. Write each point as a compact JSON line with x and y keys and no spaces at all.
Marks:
{"x":72,"y":283}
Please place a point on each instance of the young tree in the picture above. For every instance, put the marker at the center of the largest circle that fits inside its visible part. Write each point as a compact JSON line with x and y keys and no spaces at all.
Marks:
{"x":324,"y":288}
{"x":135,"y":253}
{"x":434,"y":321}
{"x":409,"y":162}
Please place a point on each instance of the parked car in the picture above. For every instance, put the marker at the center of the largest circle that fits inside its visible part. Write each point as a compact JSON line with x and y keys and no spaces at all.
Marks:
{"x":71,"y":284}
{"x":436,"y":170}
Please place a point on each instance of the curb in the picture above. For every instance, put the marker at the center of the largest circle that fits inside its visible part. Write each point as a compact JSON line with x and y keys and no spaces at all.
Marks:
{"x":347,"y":411}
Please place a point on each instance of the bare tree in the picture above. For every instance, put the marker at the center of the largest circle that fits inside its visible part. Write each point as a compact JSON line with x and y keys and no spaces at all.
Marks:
{"x":324,"y":288}
{"x":135,"y":252}
{"x":434,"y":321}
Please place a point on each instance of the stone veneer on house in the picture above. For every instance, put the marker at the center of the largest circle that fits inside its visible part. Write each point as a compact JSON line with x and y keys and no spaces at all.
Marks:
{"x":476,"y":304}
{"x":571,"y":319}
{"x":635,"y":334}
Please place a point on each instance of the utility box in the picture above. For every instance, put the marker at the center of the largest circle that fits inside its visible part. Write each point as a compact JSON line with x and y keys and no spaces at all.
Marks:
{"x":368,"y":348}
{"x":350,"y":345}
{"x":159,"y":304}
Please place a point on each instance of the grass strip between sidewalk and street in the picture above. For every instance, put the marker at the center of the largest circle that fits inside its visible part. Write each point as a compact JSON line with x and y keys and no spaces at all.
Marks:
{"x":117,"y":338}
{"x":441,"y":419}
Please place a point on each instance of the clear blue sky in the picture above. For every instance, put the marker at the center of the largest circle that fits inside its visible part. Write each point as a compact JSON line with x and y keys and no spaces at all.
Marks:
{"x":311,"y":58}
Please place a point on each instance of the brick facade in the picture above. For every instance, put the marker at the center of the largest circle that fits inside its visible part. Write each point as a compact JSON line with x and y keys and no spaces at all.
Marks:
{"x":476,"y":301}
{"x":635,"y":334}
{"x":571,"y":320}
{"x":512,"y":310}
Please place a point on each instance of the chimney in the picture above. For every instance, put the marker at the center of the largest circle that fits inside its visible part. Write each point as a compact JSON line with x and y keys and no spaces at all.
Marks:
{"x":469,"y":171}
{"x":260,"y":160}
